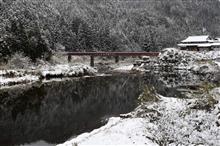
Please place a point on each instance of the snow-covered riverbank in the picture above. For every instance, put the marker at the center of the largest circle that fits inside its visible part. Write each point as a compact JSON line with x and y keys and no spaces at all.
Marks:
{"x":14,"y":77}
{"x":118,"y":131}
{"x":169,"y":121}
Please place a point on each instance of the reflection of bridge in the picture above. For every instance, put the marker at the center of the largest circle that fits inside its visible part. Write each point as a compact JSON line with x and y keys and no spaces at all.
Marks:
{"x":114,"y":54}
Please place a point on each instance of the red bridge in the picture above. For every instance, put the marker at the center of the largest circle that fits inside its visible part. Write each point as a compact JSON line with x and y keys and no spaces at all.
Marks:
{"x":114,"y":54}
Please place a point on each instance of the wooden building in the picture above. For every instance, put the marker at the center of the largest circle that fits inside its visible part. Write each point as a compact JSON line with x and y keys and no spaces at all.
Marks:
{"x":199,"y":43}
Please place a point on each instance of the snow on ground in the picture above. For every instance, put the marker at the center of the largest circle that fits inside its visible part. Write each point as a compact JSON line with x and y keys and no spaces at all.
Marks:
{"x":124,"y":68}
{"x":216,"y":93}
{"x":204,"y":68}
{"x":212,"y":54}
{"x":18,"y":80}
{"x":185,"y":121}
{"x":10,"y":73}
{"x":172,"y":53}
{"x":189,"y":60}
{"x":13,"y":77}
{"x":169,"y":121}
{"x":67,"y":70}
{"x":117,"y":132}
{"x":218,"y":63}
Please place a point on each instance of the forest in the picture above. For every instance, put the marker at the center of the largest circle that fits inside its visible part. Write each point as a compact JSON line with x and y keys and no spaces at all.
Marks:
{"x":37,"y":28}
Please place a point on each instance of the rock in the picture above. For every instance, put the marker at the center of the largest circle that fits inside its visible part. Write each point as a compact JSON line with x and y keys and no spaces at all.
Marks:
{"x":146,"y":58}
{"x":205,"y":68}
{"x":216,"y":93}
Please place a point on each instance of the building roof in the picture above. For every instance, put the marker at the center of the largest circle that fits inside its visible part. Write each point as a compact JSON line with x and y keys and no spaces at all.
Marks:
{"x":196,"y":39}
{"x":216,"y":44}
{"x":201,"y":45}
{"x":203,"y":41}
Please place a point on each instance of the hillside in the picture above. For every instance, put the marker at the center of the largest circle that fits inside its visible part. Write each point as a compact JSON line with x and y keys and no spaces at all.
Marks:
{"x":35,"y":27}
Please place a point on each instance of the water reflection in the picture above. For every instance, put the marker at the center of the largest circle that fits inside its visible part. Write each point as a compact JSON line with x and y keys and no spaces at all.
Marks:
{"x":57,"y":110}
{"x":39,"y":143}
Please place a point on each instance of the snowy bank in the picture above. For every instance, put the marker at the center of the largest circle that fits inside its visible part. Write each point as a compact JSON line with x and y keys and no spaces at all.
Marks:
{"x":18,"y":80}
{"x":117,"y":132}
{"x":124,"y":68}
{"x":14,"y":77}
{"x":192,"y":121}
{"x":168,"y":121}
{"x":66,"y":71}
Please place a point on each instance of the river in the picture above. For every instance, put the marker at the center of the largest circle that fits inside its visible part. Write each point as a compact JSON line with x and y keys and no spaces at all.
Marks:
{"x":54,"y":111}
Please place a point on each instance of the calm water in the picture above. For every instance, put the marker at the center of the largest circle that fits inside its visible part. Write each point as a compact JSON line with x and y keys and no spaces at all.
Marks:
{"x":53,"y":112}
{"x":45,"y":114}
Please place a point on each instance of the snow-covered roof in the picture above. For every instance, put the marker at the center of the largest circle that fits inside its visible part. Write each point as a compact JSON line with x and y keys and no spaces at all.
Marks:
{"x":191,"y":39}
{"x":216,"y":44}
{"x":195,"y":45}
{"x":200,"y":41}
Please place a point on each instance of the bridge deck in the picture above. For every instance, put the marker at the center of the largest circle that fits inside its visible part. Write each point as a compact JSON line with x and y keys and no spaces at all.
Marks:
{"x":112,"y":53}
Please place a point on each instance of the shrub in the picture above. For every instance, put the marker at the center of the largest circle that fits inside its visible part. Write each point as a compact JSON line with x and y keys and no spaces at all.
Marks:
{"x":149,"y":94}
{"x":19,"y":61}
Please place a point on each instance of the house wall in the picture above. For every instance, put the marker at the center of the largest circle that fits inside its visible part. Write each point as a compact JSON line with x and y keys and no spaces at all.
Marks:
{"x":205,"y":49}
{"x":190,"y":48}
{"x":217,"y":48}
{"x":198,"y":48}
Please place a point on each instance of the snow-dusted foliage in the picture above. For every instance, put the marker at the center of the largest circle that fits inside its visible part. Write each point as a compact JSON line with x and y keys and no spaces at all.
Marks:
{"x":18,"y":60}
{"x":13,"y":77}
{"x":216,"y":93}
{"x":205,"y":68}
{"x":66,"y":71}
{"x":184,"y":122}
{"x":189,"y":60}
{"x":17,"y":80}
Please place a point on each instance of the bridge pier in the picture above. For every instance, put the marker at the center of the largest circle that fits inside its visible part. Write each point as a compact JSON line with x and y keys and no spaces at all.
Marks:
{"x":116,"y":59}
{"x":92,"y":61}
{"x":69,"y":58}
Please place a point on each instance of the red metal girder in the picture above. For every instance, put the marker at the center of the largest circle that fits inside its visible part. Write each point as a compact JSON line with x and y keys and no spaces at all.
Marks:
{"x":112,"y":53}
